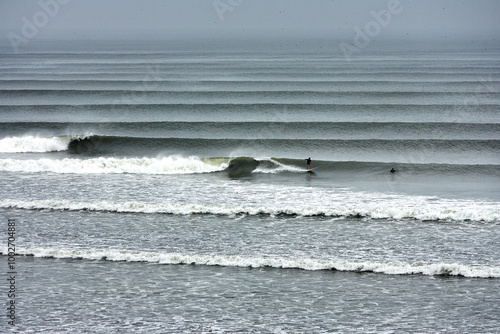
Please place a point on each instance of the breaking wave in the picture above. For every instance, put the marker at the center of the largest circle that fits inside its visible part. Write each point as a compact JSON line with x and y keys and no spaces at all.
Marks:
{"x":28,"y":144}
{"x":388,"y":268}
{"x":444,"y":210}
{"x":165,"y":165}
{"x":235,"y":166}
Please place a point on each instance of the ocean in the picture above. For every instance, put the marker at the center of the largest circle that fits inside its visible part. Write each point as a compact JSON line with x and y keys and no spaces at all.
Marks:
{"x":162,"y":188}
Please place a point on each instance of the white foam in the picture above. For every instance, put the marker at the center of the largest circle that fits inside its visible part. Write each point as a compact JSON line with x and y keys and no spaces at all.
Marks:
{"x":389,"y":268}
{"x":165,"y":165}
{"x":27,"y":144}
{"x":486,"y":212}
{"x":277,"y":168}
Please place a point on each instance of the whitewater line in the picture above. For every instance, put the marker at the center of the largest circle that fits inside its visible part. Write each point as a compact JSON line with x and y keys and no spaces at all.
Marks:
{"x":475,"y":213}
{"x":388,"y":268}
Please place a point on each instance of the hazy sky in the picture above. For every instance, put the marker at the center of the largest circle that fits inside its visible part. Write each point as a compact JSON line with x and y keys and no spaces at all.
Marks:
{"x":248,"y":18}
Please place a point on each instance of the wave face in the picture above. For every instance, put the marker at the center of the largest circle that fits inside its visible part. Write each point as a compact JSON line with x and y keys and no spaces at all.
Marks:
{"x":388,"y":268}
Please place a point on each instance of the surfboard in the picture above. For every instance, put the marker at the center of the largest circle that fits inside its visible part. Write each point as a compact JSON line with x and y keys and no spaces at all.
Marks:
{"x":310,"y":170}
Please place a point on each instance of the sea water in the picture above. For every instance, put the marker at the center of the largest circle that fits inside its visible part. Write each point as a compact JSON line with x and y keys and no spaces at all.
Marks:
{"x":162,"y":188}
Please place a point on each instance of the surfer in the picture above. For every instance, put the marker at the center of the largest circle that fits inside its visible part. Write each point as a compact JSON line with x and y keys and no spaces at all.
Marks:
{"x":308,"y":163}
{"x":393,"y":171}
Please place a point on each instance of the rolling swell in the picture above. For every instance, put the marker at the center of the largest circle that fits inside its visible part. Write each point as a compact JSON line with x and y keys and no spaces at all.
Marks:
{"x":423,"y":151}
{"x":127,"y":110}
{"x":279,"y":129}
{"x":135,"y":96}
{"x":244,"y":85}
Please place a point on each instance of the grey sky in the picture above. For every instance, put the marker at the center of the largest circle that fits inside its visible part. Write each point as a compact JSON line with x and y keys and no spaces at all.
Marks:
{"x":251,"y":18}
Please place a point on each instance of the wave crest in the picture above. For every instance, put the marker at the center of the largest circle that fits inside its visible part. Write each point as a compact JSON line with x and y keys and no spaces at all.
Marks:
{"x":165,"y":165}
{"x":388,"y":268}
{"x":479,"y":213}
{"x":28,"y":144}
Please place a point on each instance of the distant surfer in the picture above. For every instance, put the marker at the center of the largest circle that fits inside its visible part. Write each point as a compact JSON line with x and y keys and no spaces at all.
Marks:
{"x":308,"y":163}
{"x":393,"y":171}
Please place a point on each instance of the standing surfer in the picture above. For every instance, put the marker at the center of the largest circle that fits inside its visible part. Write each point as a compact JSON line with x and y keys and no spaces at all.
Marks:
{"x":308,"y":163}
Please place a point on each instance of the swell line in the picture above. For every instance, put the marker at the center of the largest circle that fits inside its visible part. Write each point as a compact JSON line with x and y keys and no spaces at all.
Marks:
{"x":388,"y":268}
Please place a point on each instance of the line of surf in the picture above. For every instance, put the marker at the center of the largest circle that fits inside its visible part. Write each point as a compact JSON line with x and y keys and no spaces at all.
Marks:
{"x":164,"y":165}
{"x":175,"y":164}
{"x":129,"y":142}
{"x":397,"y":209}
{"x":277,"y":129}
{"x":26,"y":144}
{"x":40,"y":78}
{"x":296,"y":106}
{"x":388,"y":268}
{"x":130,"y":87}
{"x":231,"y":81}
{"x":225,"y":94}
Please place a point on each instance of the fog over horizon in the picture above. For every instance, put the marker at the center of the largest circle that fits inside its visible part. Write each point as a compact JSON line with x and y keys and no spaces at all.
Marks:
{"x":248,"y":19}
